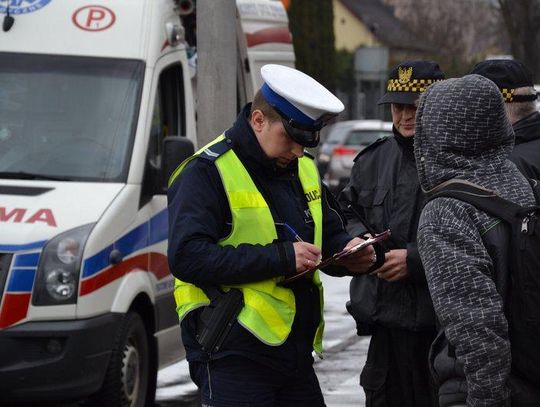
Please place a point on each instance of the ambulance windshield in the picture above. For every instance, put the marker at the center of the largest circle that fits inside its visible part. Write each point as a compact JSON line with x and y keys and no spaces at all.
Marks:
{"x":68,"y":118}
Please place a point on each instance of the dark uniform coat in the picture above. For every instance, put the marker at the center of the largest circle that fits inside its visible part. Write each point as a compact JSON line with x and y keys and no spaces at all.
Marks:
{"x":199,"y":216}
{"x":384,"y":191}
{"x":526,"y":154}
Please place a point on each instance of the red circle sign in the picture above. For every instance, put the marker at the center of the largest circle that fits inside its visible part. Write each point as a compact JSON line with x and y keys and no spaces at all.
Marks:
{"x":93,"y":18}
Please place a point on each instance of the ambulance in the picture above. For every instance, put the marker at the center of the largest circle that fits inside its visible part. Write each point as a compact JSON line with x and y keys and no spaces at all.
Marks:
{"x":96,"y":109}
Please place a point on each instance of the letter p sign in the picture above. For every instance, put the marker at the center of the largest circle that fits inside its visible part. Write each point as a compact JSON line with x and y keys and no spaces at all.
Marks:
{"x":93,"y":18}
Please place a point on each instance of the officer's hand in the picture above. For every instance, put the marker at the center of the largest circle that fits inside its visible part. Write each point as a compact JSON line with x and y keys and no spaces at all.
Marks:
{"x":307,"y":256}
{"x":360,"y":261}
{"x":394,"y":267}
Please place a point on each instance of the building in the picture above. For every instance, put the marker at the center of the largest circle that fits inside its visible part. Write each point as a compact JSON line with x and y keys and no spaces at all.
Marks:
{"x":371,"y":23}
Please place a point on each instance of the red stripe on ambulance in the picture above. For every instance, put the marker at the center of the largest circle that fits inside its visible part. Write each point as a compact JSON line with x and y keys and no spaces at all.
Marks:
{"x":14,"y":308}
{"x":155,"y":263}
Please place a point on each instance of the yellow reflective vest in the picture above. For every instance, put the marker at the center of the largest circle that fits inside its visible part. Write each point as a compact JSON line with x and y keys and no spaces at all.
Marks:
{"x":269,"y":308}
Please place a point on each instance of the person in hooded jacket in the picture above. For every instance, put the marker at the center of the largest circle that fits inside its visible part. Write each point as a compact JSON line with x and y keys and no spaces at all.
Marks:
{"x":462,"y":132}
{"x":515,"y":82}
{"x":245,"y":212}
{"x":392,"y":303}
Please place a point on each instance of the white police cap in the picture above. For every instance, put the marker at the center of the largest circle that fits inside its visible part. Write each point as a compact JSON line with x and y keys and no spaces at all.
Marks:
{"x":299,"y":98}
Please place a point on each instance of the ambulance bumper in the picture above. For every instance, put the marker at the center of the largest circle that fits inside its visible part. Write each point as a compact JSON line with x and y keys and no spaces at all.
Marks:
{"x":55,"y":360}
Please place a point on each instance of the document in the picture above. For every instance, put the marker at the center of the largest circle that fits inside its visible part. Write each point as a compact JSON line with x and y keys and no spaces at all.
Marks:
{"x":339,"y":256}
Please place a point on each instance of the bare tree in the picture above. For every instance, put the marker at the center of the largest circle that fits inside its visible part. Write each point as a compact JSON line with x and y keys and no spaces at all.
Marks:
{"x":522,"y":21}
{"x":464,"y":31}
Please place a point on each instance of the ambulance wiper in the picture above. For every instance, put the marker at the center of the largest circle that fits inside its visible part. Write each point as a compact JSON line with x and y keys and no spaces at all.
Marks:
{"x":29,"y":175}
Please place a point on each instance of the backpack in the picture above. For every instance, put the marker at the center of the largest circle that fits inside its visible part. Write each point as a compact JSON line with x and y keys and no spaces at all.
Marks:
{"x":523,"y":307}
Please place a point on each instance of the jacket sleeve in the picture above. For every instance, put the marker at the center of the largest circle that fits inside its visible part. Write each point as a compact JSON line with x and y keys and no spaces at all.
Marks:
{"x":348,"y":199}
{"x":335,"y":237}
{"x":414,"y":265}
{"x":198,"y":216}
{"x":467,"y":304}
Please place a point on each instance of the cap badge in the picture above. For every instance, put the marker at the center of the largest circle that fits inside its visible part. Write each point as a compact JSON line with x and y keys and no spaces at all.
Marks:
{"x":405,"y":74}
{"x":508,"y":94}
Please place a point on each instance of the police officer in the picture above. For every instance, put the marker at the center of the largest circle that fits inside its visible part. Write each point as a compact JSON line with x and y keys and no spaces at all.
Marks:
{"x":515,"y":82}
{"x":247,"y":211}
{"x":392,"y":303}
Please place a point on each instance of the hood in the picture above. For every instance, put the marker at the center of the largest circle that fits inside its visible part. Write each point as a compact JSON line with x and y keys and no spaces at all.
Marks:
{"x":462,"y":131}
{"x":32,"y":212}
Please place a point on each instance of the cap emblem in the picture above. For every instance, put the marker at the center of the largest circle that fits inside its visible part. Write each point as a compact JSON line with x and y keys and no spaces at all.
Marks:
{"x":508,"y":94}
{"x":405,"y":74}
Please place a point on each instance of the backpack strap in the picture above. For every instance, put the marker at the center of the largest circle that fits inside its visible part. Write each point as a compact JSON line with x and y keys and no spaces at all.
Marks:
{"x":481,"y":198}
{"x":535,"y":185}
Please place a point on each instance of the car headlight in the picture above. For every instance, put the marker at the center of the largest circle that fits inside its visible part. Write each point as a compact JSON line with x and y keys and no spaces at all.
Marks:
{"x":57,"y":279}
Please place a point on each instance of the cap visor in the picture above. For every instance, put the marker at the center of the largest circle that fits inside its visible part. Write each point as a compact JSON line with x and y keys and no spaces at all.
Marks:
{"x":406,"y":98}
{"x":305,"y":138}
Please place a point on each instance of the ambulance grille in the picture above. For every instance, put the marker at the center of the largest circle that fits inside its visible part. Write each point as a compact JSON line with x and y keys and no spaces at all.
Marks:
{"x":5,"y":262}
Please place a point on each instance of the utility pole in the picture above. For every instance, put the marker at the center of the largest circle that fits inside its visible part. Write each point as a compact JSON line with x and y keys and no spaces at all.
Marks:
{"x":216,"y":68}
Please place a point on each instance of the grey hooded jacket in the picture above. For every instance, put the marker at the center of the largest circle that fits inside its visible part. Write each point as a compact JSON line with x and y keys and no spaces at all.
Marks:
{"x":462,"y":132}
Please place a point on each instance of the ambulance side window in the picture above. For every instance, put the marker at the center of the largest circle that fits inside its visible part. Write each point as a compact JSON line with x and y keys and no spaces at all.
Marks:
{"x":168,"y":116}
{"x":168,"y":119}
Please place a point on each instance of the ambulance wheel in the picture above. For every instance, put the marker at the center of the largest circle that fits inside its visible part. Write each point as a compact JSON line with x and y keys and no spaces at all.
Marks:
{"x":126,"y":380}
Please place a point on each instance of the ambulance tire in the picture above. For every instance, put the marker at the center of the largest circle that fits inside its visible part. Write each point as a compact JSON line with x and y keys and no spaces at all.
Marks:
{"x":126,"y":380}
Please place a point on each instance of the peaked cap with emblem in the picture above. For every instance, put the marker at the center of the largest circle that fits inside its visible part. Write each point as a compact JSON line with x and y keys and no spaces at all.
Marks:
{"x":409,"y":79}
{"x":304,"y":105}
{"x":508,"y":75}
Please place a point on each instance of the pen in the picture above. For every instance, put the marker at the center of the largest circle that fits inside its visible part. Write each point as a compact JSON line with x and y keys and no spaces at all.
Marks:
{"x":292,"y":232}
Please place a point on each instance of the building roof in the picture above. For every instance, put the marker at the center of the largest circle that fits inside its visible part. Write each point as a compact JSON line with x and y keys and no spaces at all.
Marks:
{"x":380,"y":20}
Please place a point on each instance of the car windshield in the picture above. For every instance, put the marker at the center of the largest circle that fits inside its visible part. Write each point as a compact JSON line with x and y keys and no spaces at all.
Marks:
{"x":337,"y":134}
{"x":68,"y":118}
{"x":365,"y":137}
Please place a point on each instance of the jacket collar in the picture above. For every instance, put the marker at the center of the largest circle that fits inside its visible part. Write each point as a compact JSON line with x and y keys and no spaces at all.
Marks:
{"x":248,"y":149}
{"x":405,"y":143}
{"x":528,"y":128}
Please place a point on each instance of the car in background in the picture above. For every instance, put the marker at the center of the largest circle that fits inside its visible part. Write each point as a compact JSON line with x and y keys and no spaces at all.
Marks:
{"x":343,"y":141}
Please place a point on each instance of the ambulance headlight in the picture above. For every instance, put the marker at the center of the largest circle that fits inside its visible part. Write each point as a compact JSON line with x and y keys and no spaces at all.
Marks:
{"x":57,"y":279}
{"x":67,"y":250}
{"x":60,"y":284}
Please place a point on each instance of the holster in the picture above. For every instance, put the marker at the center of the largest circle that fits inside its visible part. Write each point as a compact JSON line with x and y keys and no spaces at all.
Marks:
{"x":217,"y":318}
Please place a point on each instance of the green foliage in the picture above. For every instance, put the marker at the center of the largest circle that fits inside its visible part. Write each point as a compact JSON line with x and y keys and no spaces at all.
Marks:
{"x":312,"y":26}
{"x":344,"y":68}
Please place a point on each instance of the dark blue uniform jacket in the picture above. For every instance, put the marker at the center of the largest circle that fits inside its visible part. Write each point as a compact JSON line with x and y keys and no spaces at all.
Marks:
{"x":526,"y":153}
{"x":199,"y":216}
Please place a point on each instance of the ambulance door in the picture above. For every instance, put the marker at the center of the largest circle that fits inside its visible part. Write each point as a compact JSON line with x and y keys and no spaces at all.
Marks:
{"x":168,"y":118}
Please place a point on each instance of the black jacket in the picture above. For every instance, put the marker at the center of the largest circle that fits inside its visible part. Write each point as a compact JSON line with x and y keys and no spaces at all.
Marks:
{"x":199,"y":216}
{"x":384,"y":191}
{"x":526,"y":154}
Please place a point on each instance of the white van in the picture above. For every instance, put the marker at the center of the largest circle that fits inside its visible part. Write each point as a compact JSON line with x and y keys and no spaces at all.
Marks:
{"x":96,"y":109}
{"x":87,"y":93}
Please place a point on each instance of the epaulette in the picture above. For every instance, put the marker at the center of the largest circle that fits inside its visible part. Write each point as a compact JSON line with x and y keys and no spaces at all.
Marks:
{"x":216,"y":150}
{"x":308,"y":154}
{"x":372,"y":146}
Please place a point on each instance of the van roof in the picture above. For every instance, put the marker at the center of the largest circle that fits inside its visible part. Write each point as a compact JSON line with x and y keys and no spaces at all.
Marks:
{"x":118,"y":29}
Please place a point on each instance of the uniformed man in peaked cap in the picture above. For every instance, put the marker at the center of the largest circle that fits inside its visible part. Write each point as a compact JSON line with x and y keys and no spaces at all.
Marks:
{"x":515,"y":82}
{"x":393,"y":302}
{"x":245,"y":212}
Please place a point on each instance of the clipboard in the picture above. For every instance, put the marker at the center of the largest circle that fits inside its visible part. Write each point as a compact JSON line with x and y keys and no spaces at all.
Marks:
{"x":340,"y":255}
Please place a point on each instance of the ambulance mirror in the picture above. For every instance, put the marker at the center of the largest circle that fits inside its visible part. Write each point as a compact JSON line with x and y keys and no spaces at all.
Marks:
{"x":175,"y":150}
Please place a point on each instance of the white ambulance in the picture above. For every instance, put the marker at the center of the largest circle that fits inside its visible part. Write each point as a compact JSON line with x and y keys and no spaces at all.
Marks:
{"x":96,"y":108}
